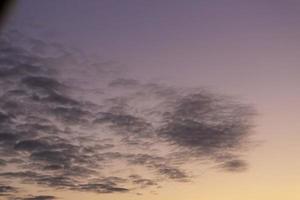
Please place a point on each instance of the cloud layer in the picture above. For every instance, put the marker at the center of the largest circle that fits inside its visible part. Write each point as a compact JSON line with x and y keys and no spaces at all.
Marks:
{"x":69,"y":123}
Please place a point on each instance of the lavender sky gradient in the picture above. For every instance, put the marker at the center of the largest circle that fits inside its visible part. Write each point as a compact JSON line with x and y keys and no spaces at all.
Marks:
{"x":193,"y":42}
{"x":247,"y":48}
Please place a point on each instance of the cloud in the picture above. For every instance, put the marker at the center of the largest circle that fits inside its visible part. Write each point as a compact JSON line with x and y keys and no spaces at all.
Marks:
{"x":64,"y":134}
{"x":142,"y":182}
{"x":71,"y":114}
{"x":31,"y":145}
{"x":160,"y":165}
{"x":122,"y":82}
{"x":6,"y":190}
{"x":234,"y":166}
{"x":42,"y":83}
{"x":206,"y":123}
{"x":122,"y":122}
{"x":101,"y":188}
{"x":7,"y":138}
{"x":172,"y":173}
{"x":40,"y":197}
{"x":2,"y":162}
{"x":39,"y":178}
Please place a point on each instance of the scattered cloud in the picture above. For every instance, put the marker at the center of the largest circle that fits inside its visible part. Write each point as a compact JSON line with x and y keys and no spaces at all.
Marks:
{"x":40,"y":197}
{"x":234,"y":165}
{"x":60,"y":132}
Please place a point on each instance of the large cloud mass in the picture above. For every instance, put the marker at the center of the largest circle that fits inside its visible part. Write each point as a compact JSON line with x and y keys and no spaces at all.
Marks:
{"x":70,"y":123}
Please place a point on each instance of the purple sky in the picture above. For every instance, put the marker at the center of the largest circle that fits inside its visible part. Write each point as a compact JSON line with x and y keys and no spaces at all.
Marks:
{"x":246,"y":48}
{"x":192,"y":42}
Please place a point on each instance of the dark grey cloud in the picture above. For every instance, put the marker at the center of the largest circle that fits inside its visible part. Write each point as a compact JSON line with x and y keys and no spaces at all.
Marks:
{"x":31,"y":145}
{"x":207,"y":124}
{"x":3,"y":117}
{"x":51,"y":156}
{"x":123,"y":122}
{"x":6,"y":190}
{"x":58,"y":133}
{"x":71,"y":114}
{"x":172,"y":172}
{"x":40,"y":197}
{"x":19,"y":174}
{"x":101,"y":188}
{"x":234,"y":165}
{"x":42,"y":83}
{"x":109,"y":184}
{"x":7,"y":137}
{"x":39,"y":178}
{"x":13,"y":68}
{"x":142,"y":182}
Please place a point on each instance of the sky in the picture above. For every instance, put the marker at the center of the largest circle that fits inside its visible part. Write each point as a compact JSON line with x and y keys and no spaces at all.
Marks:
{"x":150,"y":100}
